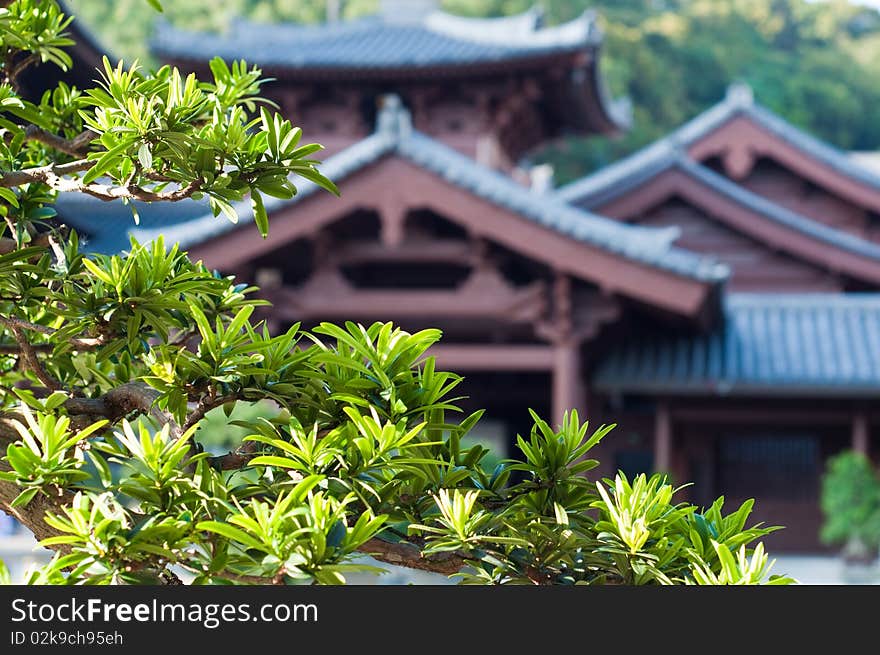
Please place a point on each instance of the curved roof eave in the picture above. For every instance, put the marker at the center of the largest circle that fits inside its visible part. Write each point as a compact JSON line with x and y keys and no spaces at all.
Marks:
{"x":664,"y":156}
{"x":738,"y":101}
{"x":770,"y":344}
{"x":646,"y":246}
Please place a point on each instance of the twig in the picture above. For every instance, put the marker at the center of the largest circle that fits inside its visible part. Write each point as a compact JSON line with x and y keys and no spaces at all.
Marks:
{"x":410,"y":556}
{"x":14,"y":70}
{"x":29,"y":357}
{"x":235,"y":459}
{"x":204,"y":406}
{"x":82,"y":343}
{"x":52,"y":175}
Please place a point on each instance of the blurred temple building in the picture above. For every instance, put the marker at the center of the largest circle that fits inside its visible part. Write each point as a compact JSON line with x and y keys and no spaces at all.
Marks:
{"x":711,"y":294}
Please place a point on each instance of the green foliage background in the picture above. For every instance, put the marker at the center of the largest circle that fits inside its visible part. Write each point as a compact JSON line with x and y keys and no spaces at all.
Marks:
{"x":817,"y":64}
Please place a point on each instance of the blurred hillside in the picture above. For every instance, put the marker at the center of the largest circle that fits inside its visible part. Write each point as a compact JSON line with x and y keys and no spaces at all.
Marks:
{"x":815,"y":63}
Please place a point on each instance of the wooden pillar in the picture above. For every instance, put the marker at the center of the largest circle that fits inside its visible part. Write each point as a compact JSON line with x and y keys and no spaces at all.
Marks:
{"x":861,"y":433}
{"x":662,"y":439}
{"x":393,"y":217}
{"x":568,"y":391}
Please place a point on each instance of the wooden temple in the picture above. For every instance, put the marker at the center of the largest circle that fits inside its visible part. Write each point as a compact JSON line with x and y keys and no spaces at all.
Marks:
{"x":492,"y":89}
{"x":711,"y":294}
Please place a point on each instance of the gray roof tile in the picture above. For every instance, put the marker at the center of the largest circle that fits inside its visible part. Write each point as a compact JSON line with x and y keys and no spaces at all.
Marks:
{"x":665,"y":154}
{"x":767,"y":344}
{"x":379,"y":43}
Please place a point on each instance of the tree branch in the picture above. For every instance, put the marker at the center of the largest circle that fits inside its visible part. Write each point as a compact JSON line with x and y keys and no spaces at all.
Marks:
{"x":204,"y":406}
{"x":52,"y":175}
{"x":13,"y":349}
{"x":14,"y":70}
{"x":122,"y":401}
{"x":409,"y":556}
{"x":77,"y":146}
{"x":33,"y":515}
{"x":249,"y":579}
{"x":82,"y":343}
{"x":29,"y":356}
{"x":235,"y":459}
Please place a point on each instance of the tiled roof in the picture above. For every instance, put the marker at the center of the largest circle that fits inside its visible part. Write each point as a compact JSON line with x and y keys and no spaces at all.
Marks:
{"x":106,"y":226}
{"x":380,"y":42}
{"x":739,"y":101}
{"x":769,"y":344}
{"x":631,"y":172}
{"x":395,"y":136}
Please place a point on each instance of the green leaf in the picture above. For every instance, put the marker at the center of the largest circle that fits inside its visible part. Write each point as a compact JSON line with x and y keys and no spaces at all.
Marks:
{"x":24,"y":497}
{"x":107,"y":161}
{"x":155,"y":4}
{"x":230,"y":532}
{"x":9,"y":196}
{"x":145,"y":156}
{"x":273,"y":460}
{"x":260,"y":216}
{"x":97,"y":271}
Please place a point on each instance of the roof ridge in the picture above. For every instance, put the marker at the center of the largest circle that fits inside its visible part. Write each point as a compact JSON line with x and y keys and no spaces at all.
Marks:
{"x":780,"y":213}
{"x":745,"y":300}
{"x":670,"y":150}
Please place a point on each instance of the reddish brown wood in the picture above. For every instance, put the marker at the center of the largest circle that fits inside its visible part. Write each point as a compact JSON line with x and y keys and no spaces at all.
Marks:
{"x":666,"y":290}
{"x":761,"y":230}
{"x":456,"y":103}
{"x":744,"y":412}
{"x":568,"y":388}
{"x":662,"y":438}
{"x":485,"y":294}
{"x":741,"y":133}
{"x":451,"y":251}
{"x":861,"y":433}
{"x":486,"y":357}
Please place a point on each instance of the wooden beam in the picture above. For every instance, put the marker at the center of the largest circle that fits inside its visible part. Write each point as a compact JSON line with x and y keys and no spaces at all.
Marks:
{"x":662,"y":438}
{"x":439,"y":251}
{"x":861,"y":433}
{"x":425,"y":190}
{"x":730,"y":413}
{"x":743,"y":220}
{"x":747,"y":134}
{"x":568,"y":388}
{"x":485,"y":294}
{"x":480,"y":357}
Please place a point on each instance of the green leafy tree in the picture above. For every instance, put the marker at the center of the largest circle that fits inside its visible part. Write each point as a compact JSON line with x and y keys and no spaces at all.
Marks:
{"x":850,"y":503}
{"x":110,"y":366}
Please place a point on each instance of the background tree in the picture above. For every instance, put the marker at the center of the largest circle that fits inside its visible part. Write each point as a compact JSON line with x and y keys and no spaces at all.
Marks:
{"x":110,"y":364}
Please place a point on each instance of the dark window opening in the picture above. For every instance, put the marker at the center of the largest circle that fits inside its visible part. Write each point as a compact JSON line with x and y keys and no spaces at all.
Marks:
{"x":392,"y":275}
{"x":360,"y":225}
{"x":455,"y":125}
{"x":425,"y":224}
{"x":294,"y":262}
{"x":634,"y":462}
{"x":783,"y":467}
